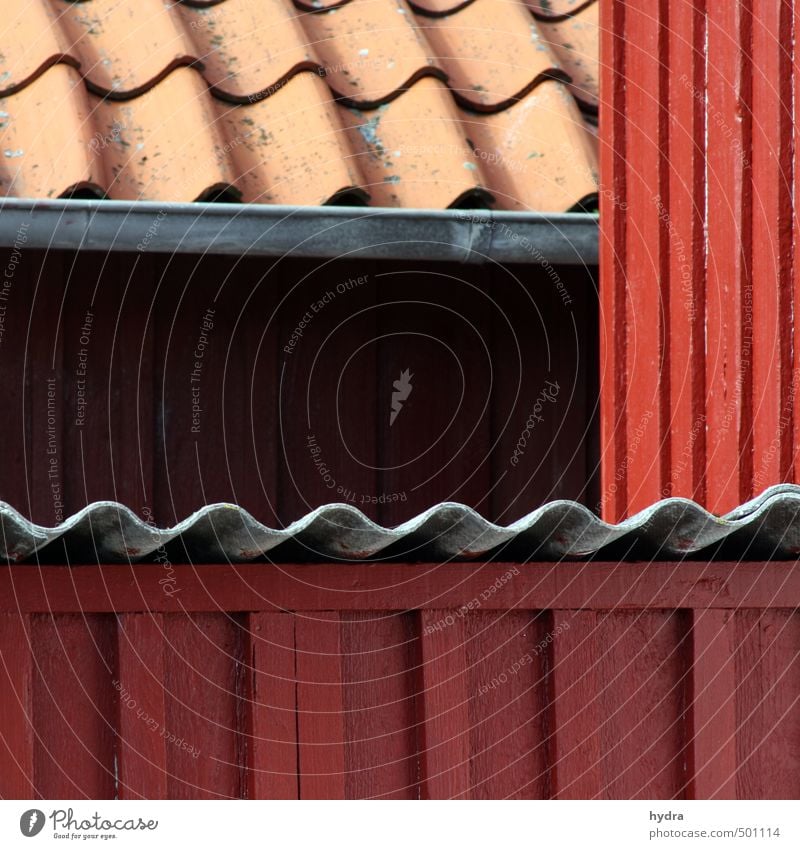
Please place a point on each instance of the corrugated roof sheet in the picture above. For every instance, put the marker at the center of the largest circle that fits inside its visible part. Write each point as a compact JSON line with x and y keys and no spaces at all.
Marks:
{"x":430,"y":104}
{"x":766,"y":527}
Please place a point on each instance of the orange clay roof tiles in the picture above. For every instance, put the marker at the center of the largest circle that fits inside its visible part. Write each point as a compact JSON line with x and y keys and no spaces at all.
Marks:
{"x":575,"y":44}
{"x":431,"y":104}
{"x":492,"y":52}
{"x":557,"y":8}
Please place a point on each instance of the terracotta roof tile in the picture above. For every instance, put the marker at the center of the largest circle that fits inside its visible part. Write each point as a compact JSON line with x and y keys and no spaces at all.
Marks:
{"x":31,"y":43}
{"x":542,"y":9}
{"x":371,"y":49}
{"x":435,"y":8}
{"x":557,"y":8}
{"x":238,"y":61}
{"x":315,"y":5}
{"x":45,"y":138}
{"x":124,"y":48}
{"x":168,"y":145}
{"x":575,"y":41}
{"x":492,"y":52}
{"x":537,"y":154}
{"x":413,"y":151}
{"x":158,"y":100}
{"x":289,"y":148}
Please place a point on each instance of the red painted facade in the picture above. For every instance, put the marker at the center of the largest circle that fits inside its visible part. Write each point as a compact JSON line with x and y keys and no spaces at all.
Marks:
{"x":699,"y":253}
{"x":667,"y":680}
{"x":571,"y":680}
{"x":310,"y":699}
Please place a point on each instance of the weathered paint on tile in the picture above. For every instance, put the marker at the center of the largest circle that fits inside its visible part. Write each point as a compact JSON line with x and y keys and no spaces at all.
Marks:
{"x":30,"y":43}
{"x":538,"y":154}
{"x":412,"y":151}
{"x":438,"y":7}
{"x":289,"y":148}
{"x":124,"y":48}
{"x":170,"y":146}
{"x":256,"y":112}
{"x":557,"y":8}
{"x":248,"y":47}
{"x":316,"y":5}
{"x":576,"y":43}
{"x":370,"y":49}
{"x":492,"y":52}
{"x":45,"y":135}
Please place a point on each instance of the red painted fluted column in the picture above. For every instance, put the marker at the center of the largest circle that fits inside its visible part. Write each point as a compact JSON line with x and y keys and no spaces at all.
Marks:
{"x":698,"y":227}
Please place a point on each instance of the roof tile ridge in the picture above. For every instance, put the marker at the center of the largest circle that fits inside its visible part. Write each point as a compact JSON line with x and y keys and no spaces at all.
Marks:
{"x":555,"y":74}
{"x":557,"y":19}
{"x":44,"y":67}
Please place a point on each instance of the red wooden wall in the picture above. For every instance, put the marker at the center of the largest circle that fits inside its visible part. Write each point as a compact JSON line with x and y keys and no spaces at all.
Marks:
{"x":699,"y":254}
{"x":571,"y":680}
{"x":616,"y":681}
{"x":480,"y":342}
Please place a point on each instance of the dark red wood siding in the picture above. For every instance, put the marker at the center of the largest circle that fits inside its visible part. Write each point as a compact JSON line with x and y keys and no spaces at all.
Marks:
{"x":699,"y":270}
{"x":604,"y":680}
{"x":480,"y":343}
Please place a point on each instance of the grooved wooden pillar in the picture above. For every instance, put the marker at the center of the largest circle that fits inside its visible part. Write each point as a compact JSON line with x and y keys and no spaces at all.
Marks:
{"x":699,"y":250}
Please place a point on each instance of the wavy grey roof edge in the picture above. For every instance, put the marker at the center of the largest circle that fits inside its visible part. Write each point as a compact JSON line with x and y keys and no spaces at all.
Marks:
{"x":675,"y":527}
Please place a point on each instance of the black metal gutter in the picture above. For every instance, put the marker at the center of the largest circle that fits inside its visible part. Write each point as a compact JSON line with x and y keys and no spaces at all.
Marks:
{"x":469,"y":236}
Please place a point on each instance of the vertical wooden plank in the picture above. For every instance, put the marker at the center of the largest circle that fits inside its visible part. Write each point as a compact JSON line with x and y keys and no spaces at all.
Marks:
{"x":327,"y":408}
{"x":378,"y":652}
{"x":576,"y":357}
{"x":435,"y":325}
{"x":132,"y":413}
{"x":772,"y":242}
{"x":767,"y":703}
{"x":74,"y":706}
{"x":794,"y":427}
{"x":172,"y":418}
{"x":647,"y":392}
{"x":684,"y":213}
{"x":271,"y":708}
{"x":46,"y":475}
{"x":91,"y":297}
{"x":729,"y":323}
{"x":204,"y":685}
{"x":222,"y":445}
{"x":20,"y":266}
{"x":749,"y":659}
{"x":711,"y":711}
{"x":254,"y":435}
{"x":16,"y":707}
{"x":613,"y":259}
{"x":593,"y":444}
{"x":320,"y":706}
{"x":199,"y":304}
{"x":506,"y":655}
{"x":444,"y":701}
{"x":142,"y":747}
{"x":725,"y":73}
{"x":575,"y":751}
{"x":529,"y":318}
{"x":216,"y":426}
{"x":641,"y":703}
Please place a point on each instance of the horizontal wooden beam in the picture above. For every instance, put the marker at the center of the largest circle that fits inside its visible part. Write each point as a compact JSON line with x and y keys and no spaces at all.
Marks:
{"x":486,"y":586}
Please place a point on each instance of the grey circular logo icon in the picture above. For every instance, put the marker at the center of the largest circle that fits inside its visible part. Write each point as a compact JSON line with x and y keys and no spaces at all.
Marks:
{"x":31,"y":822}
